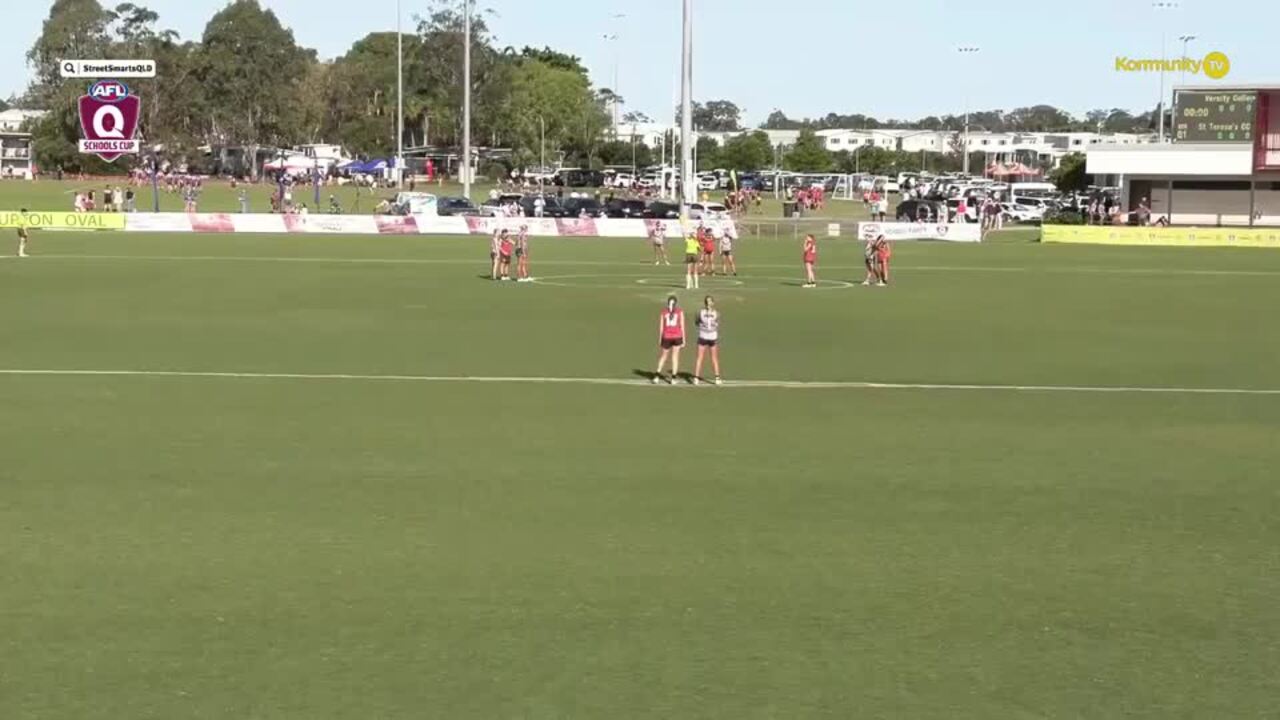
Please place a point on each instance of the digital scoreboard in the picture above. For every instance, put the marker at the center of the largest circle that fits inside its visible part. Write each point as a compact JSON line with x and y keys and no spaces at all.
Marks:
{"x":1207,"y":116}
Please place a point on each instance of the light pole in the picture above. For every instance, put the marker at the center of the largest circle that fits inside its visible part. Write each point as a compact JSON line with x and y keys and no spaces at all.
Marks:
{"x":967,"y":50}
{"x":1186,"y":40}
{"x":466,"y":99}
{"x":686,"y":107}
{"x":399,"y":105}
{"x":542,"y":153}
{"x":617,"y":60}
{"x":1162,"y":5}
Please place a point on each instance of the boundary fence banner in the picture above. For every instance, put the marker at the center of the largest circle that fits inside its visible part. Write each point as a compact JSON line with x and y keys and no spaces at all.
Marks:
{"x":945,"y":232}
{"x":1162,"y":236}
{"x":62,"y":220}
{"x":369,"y":224}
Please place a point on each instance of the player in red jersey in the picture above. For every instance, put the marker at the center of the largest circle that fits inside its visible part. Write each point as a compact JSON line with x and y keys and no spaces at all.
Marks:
{"x":810,"y":260}
{"x":505,"y":248}
{"x":670,"y":338}
{"x":883,"y":253}
{"x":522,"y":255}
{"x":708,"y":245}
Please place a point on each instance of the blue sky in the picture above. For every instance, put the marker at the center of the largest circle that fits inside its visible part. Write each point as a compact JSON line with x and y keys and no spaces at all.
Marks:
{"x":880,"y":58}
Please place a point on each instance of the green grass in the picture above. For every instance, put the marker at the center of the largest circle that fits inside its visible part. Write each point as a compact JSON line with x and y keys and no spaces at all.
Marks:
{"x":201,"y":547}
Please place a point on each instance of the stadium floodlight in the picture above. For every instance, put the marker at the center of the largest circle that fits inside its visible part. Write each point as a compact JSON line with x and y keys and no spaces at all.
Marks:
{"x":686,"y":110}
{"x":964,"y":152}
{"x":1162,"y":6}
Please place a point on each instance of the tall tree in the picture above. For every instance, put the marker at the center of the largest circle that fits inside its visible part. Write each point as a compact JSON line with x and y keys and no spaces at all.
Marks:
{"x":714,"y":116}
{"x":748,"y":151}
{"x":74,"y":29}
{"x":252,"y":74}
{"x":808,"y":154}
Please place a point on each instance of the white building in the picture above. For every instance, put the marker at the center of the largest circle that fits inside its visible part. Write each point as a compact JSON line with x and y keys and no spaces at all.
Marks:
{"x":1222,"y":181}
{"x":11,"y":120}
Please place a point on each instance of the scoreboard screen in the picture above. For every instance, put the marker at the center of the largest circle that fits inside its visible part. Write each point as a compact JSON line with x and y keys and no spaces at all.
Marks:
{"x":1214,"y":117}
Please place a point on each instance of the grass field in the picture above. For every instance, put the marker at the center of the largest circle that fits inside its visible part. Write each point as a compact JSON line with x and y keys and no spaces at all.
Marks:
{"x":344,"y":477}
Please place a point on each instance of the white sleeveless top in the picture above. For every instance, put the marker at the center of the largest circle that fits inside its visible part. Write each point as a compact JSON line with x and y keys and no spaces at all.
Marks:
{"x":709,"y":324}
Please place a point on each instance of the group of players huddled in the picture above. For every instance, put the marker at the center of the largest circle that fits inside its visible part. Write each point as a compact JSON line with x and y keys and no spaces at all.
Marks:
{"x":502,"y":247}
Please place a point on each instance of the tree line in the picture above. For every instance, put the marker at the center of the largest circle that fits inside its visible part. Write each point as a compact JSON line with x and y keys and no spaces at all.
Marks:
{"x":247,"y":82}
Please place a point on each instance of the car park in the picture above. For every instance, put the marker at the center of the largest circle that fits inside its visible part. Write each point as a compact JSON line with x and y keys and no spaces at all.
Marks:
{"x":578,"y":207}
{"x":448,"y":206}
{"x":620,"y":208}
{"x":551,"y":206}
{"x":661,"y":210}
{"x":707,"y":211}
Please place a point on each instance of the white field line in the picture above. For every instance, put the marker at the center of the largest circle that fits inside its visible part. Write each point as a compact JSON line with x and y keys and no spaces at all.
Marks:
{"x":483,"y":262}
{"x":635,"y":382}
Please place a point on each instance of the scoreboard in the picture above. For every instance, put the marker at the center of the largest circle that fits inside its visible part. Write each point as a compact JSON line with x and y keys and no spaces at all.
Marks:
{"x":1214,"y":117}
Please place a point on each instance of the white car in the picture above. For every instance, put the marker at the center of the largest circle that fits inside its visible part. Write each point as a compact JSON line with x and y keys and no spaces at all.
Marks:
{"x":1022,"y":213}
{"x":648,"y":182}
{"x":708,"y":182}
{"x":624,"y":180}
{"x":707,"y":211}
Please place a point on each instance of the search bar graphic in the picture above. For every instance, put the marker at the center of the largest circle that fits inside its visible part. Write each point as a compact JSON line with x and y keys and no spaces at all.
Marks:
{"x":107,"y":68}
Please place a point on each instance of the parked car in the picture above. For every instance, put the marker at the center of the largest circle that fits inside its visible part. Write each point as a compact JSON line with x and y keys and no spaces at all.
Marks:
{"x":707,"y":211}
{"x":456,"y":206}
{"x":928,"y":211}
{"x":624,"y":180}
{"x":551,"y":206}
{"x":1014,"y":212}
{"x":619,"y":208}
{"x":494,"y":206}
{"x":661,"y":210}
{"x":580,"y":178}
{"x":575,"y":207}
{"x":708,"y":181}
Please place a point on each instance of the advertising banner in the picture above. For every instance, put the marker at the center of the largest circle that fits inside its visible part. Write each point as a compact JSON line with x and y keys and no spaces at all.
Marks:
{"x":62,"y":220}
{"x":946,"y":232}
{"x":1162,"y":236}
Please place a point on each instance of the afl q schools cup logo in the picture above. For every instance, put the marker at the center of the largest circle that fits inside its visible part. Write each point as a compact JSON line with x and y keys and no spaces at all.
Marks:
{"x":109,"y":118}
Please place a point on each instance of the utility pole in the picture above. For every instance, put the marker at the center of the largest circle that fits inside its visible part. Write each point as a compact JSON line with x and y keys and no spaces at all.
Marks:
{"x":466,"y":100}
{"x":399,"y":104}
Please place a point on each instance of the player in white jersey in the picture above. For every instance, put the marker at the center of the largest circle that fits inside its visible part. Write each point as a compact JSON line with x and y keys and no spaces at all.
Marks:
{"x":708,"y":337}
{"x":658,"y":237}
{"x":494,"y":243}
{"x":522,"y":254}
{"x":725,"y":236}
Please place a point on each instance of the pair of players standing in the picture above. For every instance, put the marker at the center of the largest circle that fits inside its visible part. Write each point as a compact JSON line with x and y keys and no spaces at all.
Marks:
{"x":671,"y":338}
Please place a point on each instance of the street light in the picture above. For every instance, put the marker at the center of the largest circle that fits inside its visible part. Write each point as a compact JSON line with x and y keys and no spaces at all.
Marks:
{"x":967,"y":50}
{"x":1161,"y":6}
{"x":1186,"y":40}
{"x":617,"y":60}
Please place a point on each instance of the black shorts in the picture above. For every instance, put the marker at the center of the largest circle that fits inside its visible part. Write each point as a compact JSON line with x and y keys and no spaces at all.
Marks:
{"x":726,"y":253}
{"x":669,"y":343}
{"x":708,"y":343}
{"x":506,"y":258}
{"x":493,"y":255}
{"x":690,"y":259}
{"x":519,"y":252}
